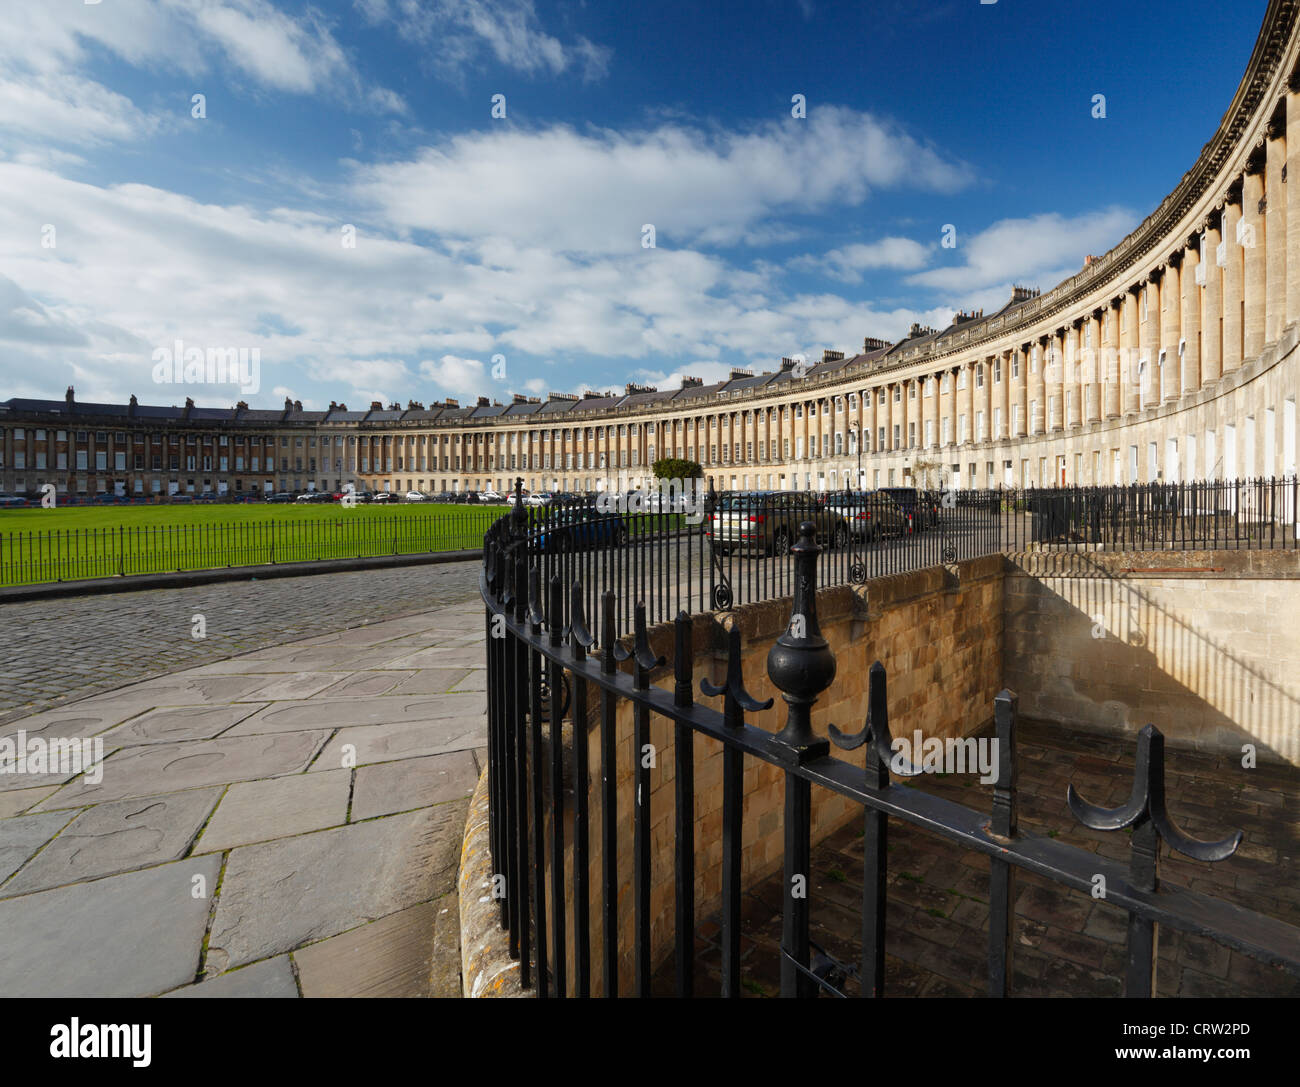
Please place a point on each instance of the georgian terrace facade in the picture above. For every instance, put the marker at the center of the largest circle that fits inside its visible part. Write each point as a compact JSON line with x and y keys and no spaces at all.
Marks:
{"x":1171,"y":357}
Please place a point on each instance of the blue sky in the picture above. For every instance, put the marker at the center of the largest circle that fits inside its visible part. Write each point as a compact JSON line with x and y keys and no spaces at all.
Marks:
{"x":520,"y":238}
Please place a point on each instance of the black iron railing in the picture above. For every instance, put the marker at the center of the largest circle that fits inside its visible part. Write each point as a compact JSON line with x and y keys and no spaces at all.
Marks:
{"x":731,"y":549}
{"x":545,"y":666}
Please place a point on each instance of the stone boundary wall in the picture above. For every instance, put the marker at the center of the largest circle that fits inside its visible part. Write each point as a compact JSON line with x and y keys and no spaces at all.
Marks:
{"x":938,"y":630}
{"x":486,"y":966}
{"x":1205,"y":645}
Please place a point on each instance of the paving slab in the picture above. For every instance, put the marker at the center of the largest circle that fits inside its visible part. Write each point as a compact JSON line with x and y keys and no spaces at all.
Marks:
{"x":137,"y":934}
{"x":75,"y":723}
{"x":143,"y":771}
{"x":338,"y":659}
{"x":443,"y":657}
{"x":15,"y":801}
{"x":193,"y":691}
{"x":292,"y":686}
{"x":117,"y":837}
{"x":268,"y":978}
{"x":366,"y":684}
{"x":351,"y":712}
{"x":384,"y":743}
{"x":181,"y":723}
{"x":20,"y":838}
{"x":431,"y":681}
{"x":388,"y":787}
{"x":391,"y":957}
{"x":475,"y":680}
{"x":258,"y":811}
{"x":280,"y":895}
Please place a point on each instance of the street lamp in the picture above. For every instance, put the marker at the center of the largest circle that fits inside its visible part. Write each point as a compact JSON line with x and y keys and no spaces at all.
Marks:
{"x":856,"y":431}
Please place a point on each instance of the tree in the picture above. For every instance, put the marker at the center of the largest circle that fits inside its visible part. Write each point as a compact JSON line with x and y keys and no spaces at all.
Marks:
{"x":676,"y":468}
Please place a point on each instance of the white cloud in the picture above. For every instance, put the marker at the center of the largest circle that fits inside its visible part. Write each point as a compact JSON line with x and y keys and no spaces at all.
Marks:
{"x":68,"y":109}
{"x":456,"y":375}
{"x":849,"y":262}
{"x":459,"y":33}
{"x":593,"y":192}
{"x":1034,"y":248}
{"x":47,"y":48}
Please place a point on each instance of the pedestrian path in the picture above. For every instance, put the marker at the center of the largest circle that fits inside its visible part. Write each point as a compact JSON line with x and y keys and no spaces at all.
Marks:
{"x":286,"y":822}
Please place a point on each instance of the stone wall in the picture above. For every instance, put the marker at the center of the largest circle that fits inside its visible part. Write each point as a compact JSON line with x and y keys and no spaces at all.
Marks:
{"x":1204,"y":645}
{"x":938,"y":631}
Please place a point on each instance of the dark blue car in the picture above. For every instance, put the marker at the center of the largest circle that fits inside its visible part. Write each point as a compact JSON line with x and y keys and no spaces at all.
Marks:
{"x":578,"y":530}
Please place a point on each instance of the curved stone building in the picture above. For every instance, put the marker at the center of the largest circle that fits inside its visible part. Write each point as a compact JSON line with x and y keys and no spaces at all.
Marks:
{"x":1171,"y":357}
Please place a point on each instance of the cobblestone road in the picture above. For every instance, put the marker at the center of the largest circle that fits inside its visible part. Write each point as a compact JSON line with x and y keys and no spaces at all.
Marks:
{"x":53,"y":651}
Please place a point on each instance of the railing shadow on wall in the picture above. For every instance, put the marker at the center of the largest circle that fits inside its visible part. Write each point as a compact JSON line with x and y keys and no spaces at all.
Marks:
{"x":1110,"y":643}
{"x":562,"y":901}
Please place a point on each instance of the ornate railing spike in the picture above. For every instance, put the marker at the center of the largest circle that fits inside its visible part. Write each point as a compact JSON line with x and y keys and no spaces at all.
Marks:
{"x":1147,"y":801}
{"x":579,"y":633}
{"x":875,"y":732}
{"x":738,"y":700}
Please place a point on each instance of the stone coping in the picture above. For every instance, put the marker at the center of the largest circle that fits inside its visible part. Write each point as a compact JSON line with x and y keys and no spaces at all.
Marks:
{"x":486,"y":966}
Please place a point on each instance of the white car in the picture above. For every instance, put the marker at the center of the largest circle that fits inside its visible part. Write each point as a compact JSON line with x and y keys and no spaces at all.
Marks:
{"x":414,"y":496}
{"x":489,"y":496}
{"x":540,"y":498}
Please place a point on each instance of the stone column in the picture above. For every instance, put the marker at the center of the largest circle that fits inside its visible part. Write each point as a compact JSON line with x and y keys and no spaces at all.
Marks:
{"x":1053,"y":375}
{"x":1146,"y":383}
{"x":1122,"y":374}
{"x":1233,"y":287}
{"x":1189,"y":366}
{"x":1038,"y":385}
{"x":1022,"y":389}
{"x":1171,"y":325}
{"x":989,"y":399}
{"x":906,"y":415}
{"x":1255,"y":242}
{"x":1275,"y":235}
{"x":1292,"y":185}
{"x":1213,"y":330}
{"x":968,"y":401}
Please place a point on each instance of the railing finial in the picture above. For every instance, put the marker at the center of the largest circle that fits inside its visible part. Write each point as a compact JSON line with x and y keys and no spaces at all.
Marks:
{"x":801,"y":663}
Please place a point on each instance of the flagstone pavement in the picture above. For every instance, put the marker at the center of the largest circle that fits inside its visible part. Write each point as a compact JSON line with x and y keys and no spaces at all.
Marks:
{"x":283,"y":823}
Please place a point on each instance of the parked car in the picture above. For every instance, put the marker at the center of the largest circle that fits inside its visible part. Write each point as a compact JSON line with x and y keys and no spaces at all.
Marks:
{"x":538,"y":498}
{"x":579,"y":529}
{"x":922,"y":508}
{"x":107,"y":498}
{"x":179,"y":499}
{"x":767,"y":522}
{"x":207,"y":496}
{"x":12,"y":501}
{"x":490,"y":496}
{"x":315,"y":496}
{"x":414,"y":496}
{"x":384,"y":497}
{"x":280,"y":496}
{"x":870,"y":515}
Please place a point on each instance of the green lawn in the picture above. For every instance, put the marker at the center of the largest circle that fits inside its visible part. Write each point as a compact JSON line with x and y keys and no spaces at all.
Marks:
{"x":39,"y":545}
